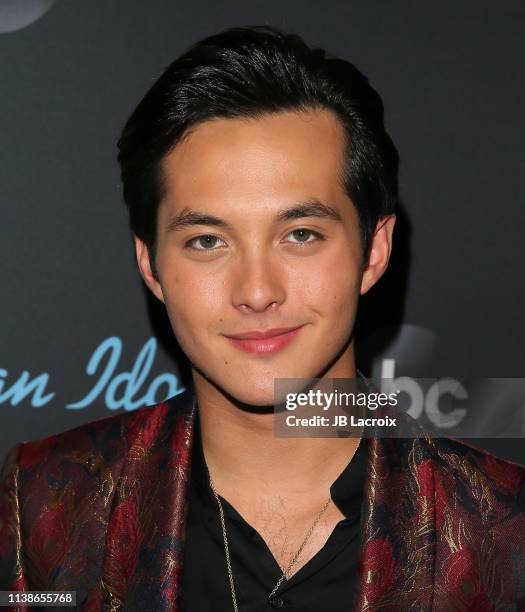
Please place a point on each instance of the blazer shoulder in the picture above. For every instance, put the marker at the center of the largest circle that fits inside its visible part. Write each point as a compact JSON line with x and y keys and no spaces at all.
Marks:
{"x":474,"y":464}
{"x":106,"y":438}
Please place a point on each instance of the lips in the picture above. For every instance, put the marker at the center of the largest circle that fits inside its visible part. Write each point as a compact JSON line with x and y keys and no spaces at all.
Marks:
{"x":267,"y":341}
{"x":261,"y":335}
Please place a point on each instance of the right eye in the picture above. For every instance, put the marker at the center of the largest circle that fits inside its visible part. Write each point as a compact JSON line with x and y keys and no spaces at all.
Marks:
{"x":206,"y":241}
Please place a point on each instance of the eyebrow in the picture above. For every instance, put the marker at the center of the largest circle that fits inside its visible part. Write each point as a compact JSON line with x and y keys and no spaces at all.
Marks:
{"x":312,"y":208}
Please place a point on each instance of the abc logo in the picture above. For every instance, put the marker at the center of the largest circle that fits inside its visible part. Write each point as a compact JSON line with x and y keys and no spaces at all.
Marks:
{"x":428,"y":401}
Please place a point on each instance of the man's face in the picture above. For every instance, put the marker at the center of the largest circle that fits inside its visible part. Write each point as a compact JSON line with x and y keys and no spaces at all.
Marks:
{"x":260,"y":268}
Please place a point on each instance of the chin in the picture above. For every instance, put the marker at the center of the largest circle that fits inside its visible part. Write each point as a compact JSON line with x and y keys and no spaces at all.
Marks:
{"x":260,"y":390}
{"x":252,"y":396}
{"x":254,"y":383}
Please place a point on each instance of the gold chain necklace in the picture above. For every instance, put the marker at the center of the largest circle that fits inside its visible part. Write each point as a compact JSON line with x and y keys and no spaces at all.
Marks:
{"x":290,"y":565}
{"x":299,"y":550}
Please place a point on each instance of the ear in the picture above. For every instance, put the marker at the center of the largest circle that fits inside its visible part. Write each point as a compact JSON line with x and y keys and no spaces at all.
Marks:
{"x":379,"y":252}
{"x":146,"y":271}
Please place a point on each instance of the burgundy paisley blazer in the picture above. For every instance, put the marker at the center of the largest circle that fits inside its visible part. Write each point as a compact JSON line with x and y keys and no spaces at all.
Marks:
{"x":100,"y":509}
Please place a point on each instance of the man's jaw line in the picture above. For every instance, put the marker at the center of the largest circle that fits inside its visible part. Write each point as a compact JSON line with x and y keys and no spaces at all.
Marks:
{"x":247,"y":408}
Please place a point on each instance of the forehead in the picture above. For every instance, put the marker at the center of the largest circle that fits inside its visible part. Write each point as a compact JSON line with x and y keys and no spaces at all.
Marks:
{"x":295,"y":154}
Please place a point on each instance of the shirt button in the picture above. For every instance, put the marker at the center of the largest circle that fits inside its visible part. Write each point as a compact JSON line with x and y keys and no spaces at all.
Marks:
{"x":276,"y":602}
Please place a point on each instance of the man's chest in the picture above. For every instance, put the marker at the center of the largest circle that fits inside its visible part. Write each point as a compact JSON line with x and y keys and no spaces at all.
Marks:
{"x":290,"y":530}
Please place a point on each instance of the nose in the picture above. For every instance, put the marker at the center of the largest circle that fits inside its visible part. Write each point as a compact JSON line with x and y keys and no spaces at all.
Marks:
{"x":258,"y":284}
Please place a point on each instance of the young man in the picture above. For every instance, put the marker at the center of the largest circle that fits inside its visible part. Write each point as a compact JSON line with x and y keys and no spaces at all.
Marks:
{"x":261,"y":186}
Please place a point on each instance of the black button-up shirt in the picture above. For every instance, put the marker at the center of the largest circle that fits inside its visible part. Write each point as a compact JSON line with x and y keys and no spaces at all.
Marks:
{"x":325,"y":582}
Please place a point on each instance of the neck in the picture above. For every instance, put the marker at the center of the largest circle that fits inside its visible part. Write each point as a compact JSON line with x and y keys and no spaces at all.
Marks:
{"x":241,"y":448}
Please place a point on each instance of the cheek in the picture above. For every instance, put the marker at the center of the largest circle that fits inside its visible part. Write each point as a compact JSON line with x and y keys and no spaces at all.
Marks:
{"x":192,"y":300}
{"x":331,"y":288}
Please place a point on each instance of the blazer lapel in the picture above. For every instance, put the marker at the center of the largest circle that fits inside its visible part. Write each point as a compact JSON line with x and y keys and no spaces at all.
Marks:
{"x":398,"y":534}
{"x":142,"y":567}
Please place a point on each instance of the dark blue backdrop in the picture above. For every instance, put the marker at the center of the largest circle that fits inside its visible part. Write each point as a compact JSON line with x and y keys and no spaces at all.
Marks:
{"x":79,"y":339}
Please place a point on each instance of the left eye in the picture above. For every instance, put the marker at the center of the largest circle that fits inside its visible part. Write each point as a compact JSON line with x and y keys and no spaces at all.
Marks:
{"x":302,"y":235}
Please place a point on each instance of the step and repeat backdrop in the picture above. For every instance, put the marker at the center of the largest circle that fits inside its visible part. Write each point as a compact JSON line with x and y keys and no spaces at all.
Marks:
{"x":80,"y":339}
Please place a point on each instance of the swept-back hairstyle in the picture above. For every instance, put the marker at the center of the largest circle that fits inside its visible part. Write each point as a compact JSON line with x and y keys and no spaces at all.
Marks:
{"x":249,"y":72}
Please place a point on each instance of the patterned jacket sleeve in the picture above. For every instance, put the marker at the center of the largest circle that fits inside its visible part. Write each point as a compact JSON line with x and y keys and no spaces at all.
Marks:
{"x":12,"y":571}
